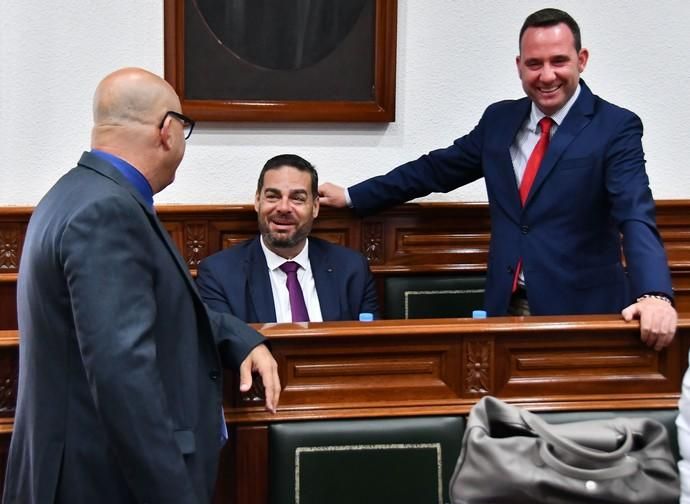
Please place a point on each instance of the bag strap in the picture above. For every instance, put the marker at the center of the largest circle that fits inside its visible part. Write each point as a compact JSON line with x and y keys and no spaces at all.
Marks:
{"x":618,"y":463}
{"x":625,"y":467}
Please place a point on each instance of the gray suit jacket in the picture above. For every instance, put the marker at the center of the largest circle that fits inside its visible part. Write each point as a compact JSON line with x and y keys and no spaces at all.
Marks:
{"x":119,"y":370}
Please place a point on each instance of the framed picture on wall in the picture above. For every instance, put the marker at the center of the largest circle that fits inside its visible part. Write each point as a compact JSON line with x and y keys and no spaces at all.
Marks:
{"x":282,"y":60}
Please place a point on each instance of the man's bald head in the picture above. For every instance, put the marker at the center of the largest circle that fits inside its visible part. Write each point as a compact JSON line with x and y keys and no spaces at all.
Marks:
{"x":132,"y":95}
{"x":130,"y":118}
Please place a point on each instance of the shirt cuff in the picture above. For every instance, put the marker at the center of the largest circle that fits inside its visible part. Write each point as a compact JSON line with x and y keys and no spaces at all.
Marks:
{"x":348,"y":200}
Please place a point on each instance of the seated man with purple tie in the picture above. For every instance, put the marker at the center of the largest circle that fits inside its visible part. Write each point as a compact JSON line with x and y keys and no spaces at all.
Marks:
{"x":283,"y":275}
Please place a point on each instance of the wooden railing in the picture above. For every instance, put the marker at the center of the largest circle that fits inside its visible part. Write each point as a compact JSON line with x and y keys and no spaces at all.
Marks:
{"x":343,"y":370}
{"x":416,"y":238}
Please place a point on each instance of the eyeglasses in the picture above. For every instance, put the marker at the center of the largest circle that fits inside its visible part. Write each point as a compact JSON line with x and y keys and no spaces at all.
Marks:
{"x":187,"y":123}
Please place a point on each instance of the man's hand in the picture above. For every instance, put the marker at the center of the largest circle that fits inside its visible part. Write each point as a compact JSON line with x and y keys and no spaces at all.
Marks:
{"x":658,"y":320}
{"x":332,"y":195}
{"x":261,"y":361}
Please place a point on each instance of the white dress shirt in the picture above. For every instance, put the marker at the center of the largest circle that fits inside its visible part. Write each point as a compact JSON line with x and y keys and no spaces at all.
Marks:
{"x":281,"y":297}
{"x":526,"y":139}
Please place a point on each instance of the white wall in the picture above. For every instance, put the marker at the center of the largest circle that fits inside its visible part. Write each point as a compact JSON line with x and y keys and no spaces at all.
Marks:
{"x":454,"y":58}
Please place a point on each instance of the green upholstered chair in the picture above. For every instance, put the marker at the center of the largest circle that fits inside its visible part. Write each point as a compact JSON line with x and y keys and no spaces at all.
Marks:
{"x":400,"y":460}
{"x":431,"y":296}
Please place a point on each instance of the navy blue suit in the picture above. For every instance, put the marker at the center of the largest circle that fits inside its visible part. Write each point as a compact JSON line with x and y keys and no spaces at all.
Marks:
{"x":236,"y":281}
{"x":590,"y":197}
{"x":119,"y":398}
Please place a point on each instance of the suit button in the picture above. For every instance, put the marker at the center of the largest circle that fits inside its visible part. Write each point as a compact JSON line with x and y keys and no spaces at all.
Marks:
{"x":214,"y":375}
{"x":524,"y":229}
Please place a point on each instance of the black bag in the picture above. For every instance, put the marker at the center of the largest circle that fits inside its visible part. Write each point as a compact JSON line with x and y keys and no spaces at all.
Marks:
{"x":512,"y":456}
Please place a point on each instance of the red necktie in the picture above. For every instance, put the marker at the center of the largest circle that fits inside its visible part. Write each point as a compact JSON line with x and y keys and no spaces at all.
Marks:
{"x":298,"y":307}
{"x":530,"y":174}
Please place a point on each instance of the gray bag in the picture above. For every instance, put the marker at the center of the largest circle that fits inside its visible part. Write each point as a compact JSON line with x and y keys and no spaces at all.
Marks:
{"x":512,"y":456}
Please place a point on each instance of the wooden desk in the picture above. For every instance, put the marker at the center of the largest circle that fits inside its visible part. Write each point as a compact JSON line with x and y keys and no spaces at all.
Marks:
{"x":341,"y":370}
{"x":443,"y":366}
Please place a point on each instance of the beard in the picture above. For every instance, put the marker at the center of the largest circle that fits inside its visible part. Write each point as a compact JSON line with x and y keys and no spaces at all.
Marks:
{"x":281,"y":240}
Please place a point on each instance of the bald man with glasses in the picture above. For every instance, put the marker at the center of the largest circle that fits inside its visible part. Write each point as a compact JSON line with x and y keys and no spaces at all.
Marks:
{"x":119,"y":396}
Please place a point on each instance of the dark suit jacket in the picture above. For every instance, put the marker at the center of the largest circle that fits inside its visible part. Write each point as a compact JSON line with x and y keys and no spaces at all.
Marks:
{"x":590,"y":190}
{"x":236,"y":281}
{"x":119,"y":388}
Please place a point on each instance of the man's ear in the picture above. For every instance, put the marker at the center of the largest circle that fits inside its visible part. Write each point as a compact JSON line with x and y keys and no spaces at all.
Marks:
{"x":582,"y":58}
{"x":315,"y":212}
{"x":257,"y":196}
{"x":165,"y":134}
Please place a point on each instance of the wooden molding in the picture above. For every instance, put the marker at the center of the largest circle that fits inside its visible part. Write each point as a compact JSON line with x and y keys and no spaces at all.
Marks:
{"x":343,"y":370}
{"x":415,"y":238}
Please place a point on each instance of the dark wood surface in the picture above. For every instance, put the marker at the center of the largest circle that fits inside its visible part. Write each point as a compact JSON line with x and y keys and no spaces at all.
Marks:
{"x":342,"y":370}
{"x":412,"y":239}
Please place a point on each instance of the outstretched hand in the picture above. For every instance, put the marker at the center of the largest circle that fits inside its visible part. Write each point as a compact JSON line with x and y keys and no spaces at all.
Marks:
{"x":658,"y":320}
{"x":261,"y":361}
{"x":332,"y":195}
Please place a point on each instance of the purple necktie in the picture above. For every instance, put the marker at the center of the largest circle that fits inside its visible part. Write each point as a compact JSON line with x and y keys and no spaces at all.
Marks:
{"x":297,"y":305}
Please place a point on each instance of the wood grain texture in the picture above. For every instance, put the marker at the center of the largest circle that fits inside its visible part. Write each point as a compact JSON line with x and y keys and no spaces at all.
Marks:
{"x":398,"y":368}
{"x":412,"y":239}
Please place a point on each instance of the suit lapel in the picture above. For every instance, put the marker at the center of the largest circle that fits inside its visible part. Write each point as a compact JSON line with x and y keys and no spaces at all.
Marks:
{"x":324,"y":279}
{"x":101,"y":166}
{"x":259,"y":283}
{"x":577,"y":118}
{"x":509,"y":197}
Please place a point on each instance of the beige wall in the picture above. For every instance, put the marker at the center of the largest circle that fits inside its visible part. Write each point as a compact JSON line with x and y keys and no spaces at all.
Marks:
{"x":454,"y":58}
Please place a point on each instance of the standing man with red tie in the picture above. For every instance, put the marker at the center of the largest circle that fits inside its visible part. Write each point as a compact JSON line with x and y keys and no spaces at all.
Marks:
{"x":567,"y":187}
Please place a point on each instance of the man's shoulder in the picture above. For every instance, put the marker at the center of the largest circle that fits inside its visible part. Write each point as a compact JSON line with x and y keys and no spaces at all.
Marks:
{"x":231,"y":254}
{"x":507,"y":106}
{"x":603,"y":106}
{"x":589,"y":103}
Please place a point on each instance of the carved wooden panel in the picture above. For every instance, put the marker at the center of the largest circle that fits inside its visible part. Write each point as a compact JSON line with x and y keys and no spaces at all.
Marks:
{"x":347,"y":371}
{"x":10,"y":247}
{"x":343,"y":370}
{"x":445,"y":365}
{"x":9,"y":373}
{"x":373,"y":241}
{"x":416,"y":238}
{"x":8,"y":301}
{"x":569,"y":364}
{"x":479,"y":366}
{"x":176,"y":231}
{"x":195,"y":242}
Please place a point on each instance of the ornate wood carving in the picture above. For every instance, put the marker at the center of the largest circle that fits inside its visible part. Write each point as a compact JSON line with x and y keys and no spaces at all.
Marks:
{"x":196,"y":242}
{"x":479,"y":356}
{"x":373,"y":242}
{"x":416,"y":238}
{"x":9,"y":247}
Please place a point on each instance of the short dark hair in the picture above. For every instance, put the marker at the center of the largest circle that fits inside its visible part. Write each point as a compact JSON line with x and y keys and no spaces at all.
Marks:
{"x":294,"y":161}
{"x":551,"y":17}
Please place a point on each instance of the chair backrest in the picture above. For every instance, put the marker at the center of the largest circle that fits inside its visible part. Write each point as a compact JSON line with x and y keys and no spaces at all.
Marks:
{"x":432,"y":296}
{"x":401,"y":460}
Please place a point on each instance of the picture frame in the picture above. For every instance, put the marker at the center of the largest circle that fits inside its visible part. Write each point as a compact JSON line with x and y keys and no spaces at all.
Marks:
{"x":219,"y":79}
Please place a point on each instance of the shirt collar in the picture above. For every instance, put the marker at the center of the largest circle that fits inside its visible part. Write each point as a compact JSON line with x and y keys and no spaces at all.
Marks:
{"x":536,"y":115}
{"x":128,"y":171}
{"x":274,"y":261}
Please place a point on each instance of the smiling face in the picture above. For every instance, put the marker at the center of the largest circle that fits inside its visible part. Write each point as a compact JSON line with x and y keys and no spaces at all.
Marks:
{"x":549,"y":66}
{"x":286,"y":209}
